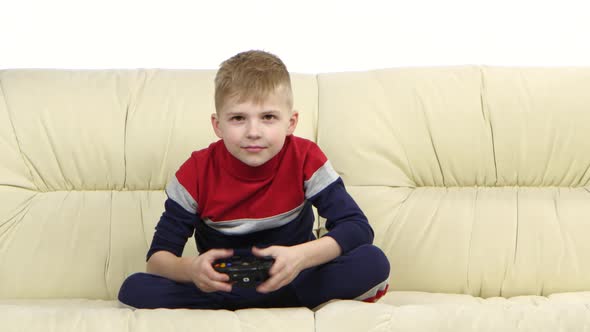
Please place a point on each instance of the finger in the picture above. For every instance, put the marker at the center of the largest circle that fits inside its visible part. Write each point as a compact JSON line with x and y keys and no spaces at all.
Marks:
{"x":276,"y":267}
{"x":215,"y":254}
{"x":262,"y":252}
{"x":275,"y":282}
{"x":270,"y":285}
{"x":213,"y":275}
{"x":216,"y":286}
{"x":265,"y":287}
{"x":210,"y":273}
{"x":212,"y":280}
{"x":221,"y":286}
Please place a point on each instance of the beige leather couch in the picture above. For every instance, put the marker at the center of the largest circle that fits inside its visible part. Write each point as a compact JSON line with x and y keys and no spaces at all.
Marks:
{"x":476,"y":181}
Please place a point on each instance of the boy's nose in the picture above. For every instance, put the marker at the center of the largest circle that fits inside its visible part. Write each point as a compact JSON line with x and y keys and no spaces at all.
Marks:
{"x":253,"y":130}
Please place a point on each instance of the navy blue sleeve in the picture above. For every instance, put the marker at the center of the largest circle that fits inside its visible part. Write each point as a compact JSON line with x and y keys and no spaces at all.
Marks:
{"x":345,"y":221}
{"x":173,"y":230}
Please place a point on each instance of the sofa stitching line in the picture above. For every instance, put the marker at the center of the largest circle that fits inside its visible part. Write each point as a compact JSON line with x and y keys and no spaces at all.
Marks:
{"x":18,"y":145}
{"x":484,"y":107}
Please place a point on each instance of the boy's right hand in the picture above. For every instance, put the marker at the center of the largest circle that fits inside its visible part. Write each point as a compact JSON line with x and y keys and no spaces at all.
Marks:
{"x":205,"y":277}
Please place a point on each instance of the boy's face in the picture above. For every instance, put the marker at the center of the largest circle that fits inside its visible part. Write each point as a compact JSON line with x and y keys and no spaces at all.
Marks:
{"x":254,"y":133}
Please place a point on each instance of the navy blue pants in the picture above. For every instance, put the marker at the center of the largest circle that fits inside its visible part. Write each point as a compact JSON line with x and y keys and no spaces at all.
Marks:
{"x":358,"y":274}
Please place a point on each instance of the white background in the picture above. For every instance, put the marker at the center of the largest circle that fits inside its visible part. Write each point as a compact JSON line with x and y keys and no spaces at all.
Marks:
{"x":310,"y":36}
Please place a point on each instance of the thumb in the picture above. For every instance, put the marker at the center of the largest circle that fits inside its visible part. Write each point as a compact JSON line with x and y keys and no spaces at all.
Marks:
{"x":215,"y":254}
{"x":262,"y":252}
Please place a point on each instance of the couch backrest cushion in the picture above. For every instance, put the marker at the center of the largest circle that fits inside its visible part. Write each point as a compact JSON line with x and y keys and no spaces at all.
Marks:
{"x":85,"y":158}
{"x":476,"y":179}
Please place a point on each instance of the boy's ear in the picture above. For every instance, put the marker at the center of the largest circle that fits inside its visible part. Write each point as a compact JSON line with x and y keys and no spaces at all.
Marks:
{"x":293,"y":122}
{"x":215,"y":124}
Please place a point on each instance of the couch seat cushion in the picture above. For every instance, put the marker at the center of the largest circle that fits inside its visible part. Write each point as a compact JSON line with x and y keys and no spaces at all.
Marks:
{"x":418,"y":311}
{"x":91,"y":315}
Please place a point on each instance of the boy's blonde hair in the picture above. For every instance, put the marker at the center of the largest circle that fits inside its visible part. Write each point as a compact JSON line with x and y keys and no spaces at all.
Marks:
{"x":252,"y":76}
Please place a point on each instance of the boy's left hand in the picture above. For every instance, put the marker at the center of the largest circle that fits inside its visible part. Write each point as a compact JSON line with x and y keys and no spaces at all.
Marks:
{"x":287,"y":266}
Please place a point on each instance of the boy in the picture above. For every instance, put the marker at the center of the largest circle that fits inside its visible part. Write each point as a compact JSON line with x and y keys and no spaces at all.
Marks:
{"x":251,"y":193}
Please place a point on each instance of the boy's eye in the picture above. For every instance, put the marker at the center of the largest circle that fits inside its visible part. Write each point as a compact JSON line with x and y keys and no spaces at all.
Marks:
{"x":269,"y":117}
{"x":237,"y":118}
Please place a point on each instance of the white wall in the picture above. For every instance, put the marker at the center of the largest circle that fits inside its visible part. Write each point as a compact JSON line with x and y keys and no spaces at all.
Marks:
{"x":310,"y":36}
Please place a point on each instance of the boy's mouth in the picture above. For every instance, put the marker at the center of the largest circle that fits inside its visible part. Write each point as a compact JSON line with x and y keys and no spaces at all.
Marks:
{"x":253,"y":148}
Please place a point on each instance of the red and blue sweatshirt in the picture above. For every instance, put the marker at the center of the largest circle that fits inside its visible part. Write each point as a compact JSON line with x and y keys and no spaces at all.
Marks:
{"x":228,"y":204}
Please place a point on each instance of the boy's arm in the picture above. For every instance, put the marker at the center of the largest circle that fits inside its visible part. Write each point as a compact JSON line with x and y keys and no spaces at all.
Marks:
{"x":345,"y":221}
{"x":166,"y":264}
{"x":196,"y":269}
{"x":172,"y":231}
{"x":324,"y":188}
{"x":164,"y":257}
{"x":348,"y":228}
{"x":290,"y":261}
{"x":319,"y":251}
{"x":175,"y":227}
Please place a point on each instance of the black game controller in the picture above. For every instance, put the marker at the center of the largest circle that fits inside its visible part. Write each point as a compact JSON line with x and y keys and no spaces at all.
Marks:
{"x":245,"y":271}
